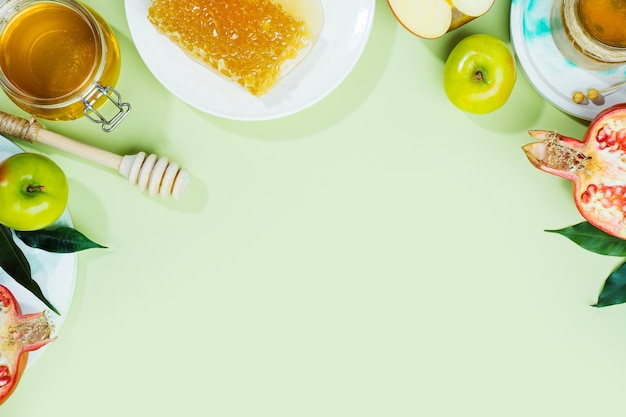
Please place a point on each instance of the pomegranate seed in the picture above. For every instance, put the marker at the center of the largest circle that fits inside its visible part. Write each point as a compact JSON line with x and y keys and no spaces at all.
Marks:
{"x":585,"y":197}
{"x":5,"y":376}
{"x":611,"y":140}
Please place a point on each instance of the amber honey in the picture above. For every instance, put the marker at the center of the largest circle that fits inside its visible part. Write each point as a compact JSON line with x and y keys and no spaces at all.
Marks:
{"x":605,"y":20}
{"x":587,"y":32}
{"x":246,"y":41}
{"x":53,"y":53}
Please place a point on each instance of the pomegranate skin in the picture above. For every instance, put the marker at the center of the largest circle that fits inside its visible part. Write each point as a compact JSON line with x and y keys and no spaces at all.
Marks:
{"x":596,"y":165}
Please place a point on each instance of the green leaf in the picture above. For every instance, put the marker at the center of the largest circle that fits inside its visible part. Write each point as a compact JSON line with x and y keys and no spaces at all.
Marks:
{"x":12,"y":259}
{"x":14,"y":262}
{"x":62,"y":239}
{"x":593,"y":239}
{"x":614,"y":291}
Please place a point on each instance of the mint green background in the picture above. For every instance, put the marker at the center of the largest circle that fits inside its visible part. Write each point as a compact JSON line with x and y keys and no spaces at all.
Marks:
{"x":379,"y":254}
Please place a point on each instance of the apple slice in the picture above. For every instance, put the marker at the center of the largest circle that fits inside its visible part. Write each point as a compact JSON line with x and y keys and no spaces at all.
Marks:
{"x":432,"y":19}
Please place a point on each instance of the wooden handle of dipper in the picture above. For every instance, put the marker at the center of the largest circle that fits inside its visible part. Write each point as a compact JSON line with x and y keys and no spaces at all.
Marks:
{"x":148,"y":172}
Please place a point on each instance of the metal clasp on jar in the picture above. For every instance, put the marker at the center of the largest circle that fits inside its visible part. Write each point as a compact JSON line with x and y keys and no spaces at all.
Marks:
{"x":113,"y":96}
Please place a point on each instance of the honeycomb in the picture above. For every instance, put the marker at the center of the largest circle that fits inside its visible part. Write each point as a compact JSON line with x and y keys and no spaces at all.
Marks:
{"x":246,"y":41}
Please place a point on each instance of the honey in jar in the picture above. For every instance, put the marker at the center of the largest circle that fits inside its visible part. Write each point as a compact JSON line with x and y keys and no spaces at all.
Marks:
{"x":251,"y":42}
{"x":590,"y":33}
{"x":605,"y":20}
{"x":57,"y":55}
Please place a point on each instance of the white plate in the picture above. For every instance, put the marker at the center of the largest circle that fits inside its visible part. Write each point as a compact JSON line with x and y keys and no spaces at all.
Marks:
{"x":347,"y":25}
{"x":55,"y":273}
{"x":553,"y":76}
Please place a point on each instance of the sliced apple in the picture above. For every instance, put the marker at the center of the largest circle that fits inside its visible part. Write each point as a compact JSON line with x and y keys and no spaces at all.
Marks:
{"x":432,"y":19}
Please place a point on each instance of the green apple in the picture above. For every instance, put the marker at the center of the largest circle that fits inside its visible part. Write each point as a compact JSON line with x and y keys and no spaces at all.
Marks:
{"x":33,"y":191}
{"x":479,"y":74}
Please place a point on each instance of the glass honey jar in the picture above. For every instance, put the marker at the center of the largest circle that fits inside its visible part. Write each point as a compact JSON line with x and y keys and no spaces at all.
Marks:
{"x":590,"y":33}
{"x":60,"y":61}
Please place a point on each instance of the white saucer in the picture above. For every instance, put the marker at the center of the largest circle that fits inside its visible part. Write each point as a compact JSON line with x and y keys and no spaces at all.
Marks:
{"x":554,"y":77}
{"x":347,"y":26}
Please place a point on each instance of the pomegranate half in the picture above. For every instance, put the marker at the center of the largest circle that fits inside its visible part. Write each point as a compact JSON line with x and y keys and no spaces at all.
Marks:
{"x":19,"y":334}
{"x":596,"y":166}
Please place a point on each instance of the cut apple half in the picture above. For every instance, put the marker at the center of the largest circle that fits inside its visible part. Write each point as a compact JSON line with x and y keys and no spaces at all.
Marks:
{"x":432,"y":19}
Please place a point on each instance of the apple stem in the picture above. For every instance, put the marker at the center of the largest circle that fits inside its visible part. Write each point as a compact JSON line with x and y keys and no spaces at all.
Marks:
{"x":478,"y":76}
{"x":35,"y":188}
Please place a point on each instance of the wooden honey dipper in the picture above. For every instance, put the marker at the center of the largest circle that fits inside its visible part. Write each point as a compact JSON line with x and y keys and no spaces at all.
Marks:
{"x":148,"y":172}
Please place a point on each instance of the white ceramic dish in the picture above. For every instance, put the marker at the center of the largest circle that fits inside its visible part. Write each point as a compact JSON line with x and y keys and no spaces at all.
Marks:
{"x":553,"y":76}
{"x":347,"y":26}
{"x":55,"y":273}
